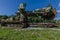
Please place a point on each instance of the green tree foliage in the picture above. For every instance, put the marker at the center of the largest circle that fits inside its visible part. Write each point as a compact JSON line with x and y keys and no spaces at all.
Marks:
{"x":35,"y":19}
{"x":3,"y":16}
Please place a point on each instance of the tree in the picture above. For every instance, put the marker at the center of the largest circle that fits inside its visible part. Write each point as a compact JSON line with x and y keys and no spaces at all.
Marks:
{"x":4,"y":17}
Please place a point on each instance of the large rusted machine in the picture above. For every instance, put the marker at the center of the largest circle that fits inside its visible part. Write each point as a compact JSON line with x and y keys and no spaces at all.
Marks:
{"x":25,"y":18}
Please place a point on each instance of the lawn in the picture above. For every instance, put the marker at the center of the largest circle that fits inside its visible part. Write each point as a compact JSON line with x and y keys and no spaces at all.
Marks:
{"x":12,"y":34}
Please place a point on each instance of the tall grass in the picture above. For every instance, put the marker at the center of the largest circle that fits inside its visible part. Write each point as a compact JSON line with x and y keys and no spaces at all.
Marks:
{"x":12,"y":34}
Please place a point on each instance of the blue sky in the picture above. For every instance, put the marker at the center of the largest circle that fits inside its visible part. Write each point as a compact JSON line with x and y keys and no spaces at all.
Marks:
{"x":9,"y":7}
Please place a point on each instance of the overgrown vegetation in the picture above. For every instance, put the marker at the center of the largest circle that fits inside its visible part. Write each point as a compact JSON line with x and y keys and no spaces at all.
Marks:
{"x":18,"y":34}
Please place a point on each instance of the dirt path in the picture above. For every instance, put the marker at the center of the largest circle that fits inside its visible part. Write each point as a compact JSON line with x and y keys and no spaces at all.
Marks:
{"x":32,"y":28}
{"x":38,"y":29}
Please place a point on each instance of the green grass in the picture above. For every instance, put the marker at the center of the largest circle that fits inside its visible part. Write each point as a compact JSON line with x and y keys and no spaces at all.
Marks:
{"x":46,"y":34}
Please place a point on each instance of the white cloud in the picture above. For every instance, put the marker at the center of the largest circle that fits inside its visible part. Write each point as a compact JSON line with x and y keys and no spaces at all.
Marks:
{"x":58,"y":10}
{"x":59,"y":4}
